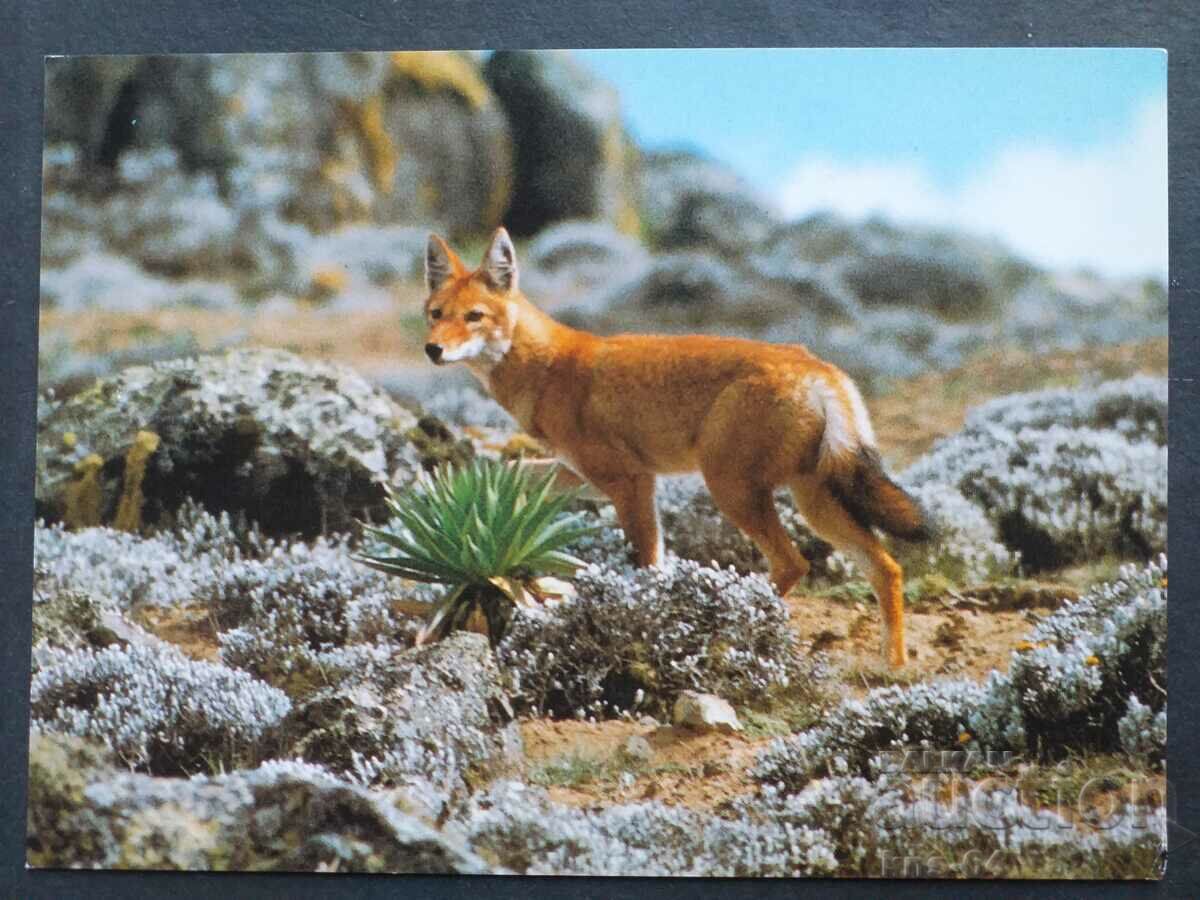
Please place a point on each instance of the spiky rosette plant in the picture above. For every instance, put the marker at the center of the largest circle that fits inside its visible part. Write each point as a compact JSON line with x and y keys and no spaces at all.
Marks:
{"x":492,"y":533}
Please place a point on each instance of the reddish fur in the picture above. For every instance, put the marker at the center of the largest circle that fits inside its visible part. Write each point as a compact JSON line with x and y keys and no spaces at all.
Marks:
{"x":622,"y":409}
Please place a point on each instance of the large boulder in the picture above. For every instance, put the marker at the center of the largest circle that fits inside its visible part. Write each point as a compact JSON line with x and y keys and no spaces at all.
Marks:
{"x":298,"y":446}
{"x":226,"y":163}
{"x":949,"y":275}
{"x":689,"y":202}
{"x":572,"y":257}
{"x":435,"y":721}
{"x":103,"y":105}
{"x":573,"y":160}
{"x":282,"y":816}
{"x":669,"y":180}
{"x":681,"y":291}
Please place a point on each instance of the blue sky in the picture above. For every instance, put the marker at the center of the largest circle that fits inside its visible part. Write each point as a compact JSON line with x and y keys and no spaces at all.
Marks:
{"x":945,"y":136}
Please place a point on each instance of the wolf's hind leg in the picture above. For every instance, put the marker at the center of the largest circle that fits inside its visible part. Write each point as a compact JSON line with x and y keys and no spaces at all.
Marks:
{"x":751,"y":507}
{"x":831,"y":521}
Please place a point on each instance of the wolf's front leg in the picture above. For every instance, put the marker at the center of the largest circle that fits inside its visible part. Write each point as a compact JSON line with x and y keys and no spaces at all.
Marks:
{"x":633,"y":497}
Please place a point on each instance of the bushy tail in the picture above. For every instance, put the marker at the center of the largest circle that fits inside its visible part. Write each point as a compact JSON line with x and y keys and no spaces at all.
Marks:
{"x":874,"y":500}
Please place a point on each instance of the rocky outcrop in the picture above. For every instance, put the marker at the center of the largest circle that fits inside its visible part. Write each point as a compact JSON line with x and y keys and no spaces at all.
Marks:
{"x":573,"y":160}
{"x":297,"y":446}
{"x":282,"y":816}
{"x":693,"y":203}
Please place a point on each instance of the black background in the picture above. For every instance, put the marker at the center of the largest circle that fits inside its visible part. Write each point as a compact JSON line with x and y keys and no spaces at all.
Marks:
{"x":31,"y":29}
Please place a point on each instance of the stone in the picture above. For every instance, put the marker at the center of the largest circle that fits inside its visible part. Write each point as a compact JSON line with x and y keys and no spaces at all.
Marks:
{"x":705,"y":712}
{"x":281,"y":816}
{"x":573,"y":160}
{"x":297,"y":446}
{"x":637,"y":748}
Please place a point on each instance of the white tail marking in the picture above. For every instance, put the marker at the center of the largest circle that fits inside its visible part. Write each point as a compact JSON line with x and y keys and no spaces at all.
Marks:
{"x":847,"y":425}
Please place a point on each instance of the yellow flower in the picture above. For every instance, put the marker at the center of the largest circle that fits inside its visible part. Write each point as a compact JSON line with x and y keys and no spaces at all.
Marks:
{"x":1092,"y":661}
{"x":964,"y":737}
{"x":69,"y":440}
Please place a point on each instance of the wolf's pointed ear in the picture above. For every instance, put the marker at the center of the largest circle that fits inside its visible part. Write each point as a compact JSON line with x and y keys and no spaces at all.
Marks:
{"x":440,"y":263}
{"x":500,"y":262}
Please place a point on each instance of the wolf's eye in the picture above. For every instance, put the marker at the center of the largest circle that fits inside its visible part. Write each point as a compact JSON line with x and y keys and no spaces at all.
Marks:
{"x":474,"y":315}
{"x":435,"y":314}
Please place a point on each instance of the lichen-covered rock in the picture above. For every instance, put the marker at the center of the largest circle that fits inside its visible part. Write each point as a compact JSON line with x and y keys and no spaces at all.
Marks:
{"x":704,"y":712}
{"x":296,"y":446}
{"x":694,"y":202}
{"x":454,"y":154}
{"x":730,"y":225}
{"x":160,"y":711}
{"x":946,"y":274}
{"x":572,"y":158}
{"x":574,"y":256}
{"x":433,"y":720}
{"x":281,"y":816}
{"x":406,"y":136}
{"x":69,"y":620}
{"x":61,"y":827}
{"x":635,"y":639}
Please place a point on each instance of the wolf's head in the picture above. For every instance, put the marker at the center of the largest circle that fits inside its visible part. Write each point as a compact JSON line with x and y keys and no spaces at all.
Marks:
{"x":471,"y":314}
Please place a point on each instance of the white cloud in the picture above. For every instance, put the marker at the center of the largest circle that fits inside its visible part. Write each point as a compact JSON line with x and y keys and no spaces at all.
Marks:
{"x":1103,"y":207}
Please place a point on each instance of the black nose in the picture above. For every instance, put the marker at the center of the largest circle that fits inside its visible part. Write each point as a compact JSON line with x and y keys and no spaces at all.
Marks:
{"x":434,"y":352}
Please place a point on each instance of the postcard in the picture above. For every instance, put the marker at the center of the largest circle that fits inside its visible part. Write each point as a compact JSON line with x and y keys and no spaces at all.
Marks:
{"x":697,"y":462}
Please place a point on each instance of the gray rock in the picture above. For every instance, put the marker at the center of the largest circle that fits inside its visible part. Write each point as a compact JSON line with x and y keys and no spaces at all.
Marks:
{"x":455,"y":154}
{"x":952,"y":276}
{"x":817,"y":239}
{"x":637,"y":748}
{"x":577,"y":255}
{"x":690,"y":201}
{"x":69,"y":620}
{"x":572,"y":158}
{"x":282,"y":816}
{"x":104,"y":105}
{"x":681,"y":288}
{"x":227,"y":163}
{"x":730,"y":225}
{"x":704,"y":712}
{"x":436,"y":721}
{"x":297,"y":446}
